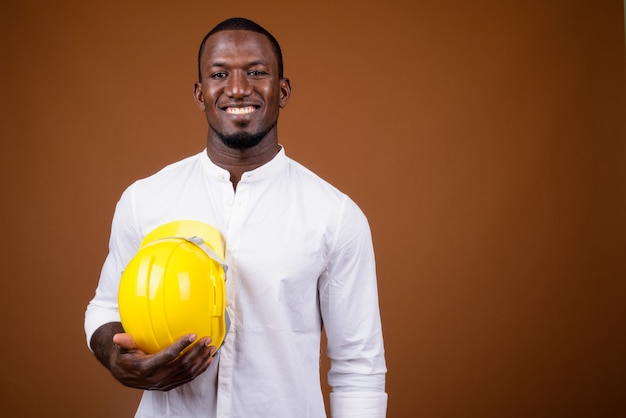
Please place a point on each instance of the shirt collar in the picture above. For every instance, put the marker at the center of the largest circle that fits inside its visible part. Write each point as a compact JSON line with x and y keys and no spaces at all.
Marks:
{"x":267,"y":170}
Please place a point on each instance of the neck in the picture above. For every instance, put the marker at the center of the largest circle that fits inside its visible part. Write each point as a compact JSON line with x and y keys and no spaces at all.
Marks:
{"x":239,"y":161}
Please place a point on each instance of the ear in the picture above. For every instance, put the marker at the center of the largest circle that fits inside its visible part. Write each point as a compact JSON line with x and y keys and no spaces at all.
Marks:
{"x":285,"y":92}
{"x":198,"y":96}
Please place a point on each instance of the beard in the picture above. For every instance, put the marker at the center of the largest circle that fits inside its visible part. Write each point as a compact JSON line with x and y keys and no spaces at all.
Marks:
{"x":242,"y":140}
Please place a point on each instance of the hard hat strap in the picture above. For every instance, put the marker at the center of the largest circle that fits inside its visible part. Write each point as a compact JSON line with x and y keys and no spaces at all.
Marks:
{"x":199,"y":242}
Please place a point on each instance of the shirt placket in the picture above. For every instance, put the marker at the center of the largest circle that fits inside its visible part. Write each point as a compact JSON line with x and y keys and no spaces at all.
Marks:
{"x":236,"y":211}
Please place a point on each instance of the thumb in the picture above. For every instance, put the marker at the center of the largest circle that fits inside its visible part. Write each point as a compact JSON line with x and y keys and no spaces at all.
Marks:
{"x":125,"y":341}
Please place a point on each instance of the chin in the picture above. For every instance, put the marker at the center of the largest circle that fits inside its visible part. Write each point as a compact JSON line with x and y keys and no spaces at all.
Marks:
{"x":243,"y":140}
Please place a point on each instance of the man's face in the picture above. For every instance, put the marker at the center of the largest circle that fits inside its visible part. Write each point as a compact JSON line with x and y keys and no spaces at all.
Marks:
{"x":240,"y":91}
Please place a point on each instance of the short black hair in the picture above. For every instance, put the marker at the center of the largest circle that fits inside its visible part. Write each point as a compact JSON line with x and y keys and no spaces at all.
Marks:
{"x":241,"y":23}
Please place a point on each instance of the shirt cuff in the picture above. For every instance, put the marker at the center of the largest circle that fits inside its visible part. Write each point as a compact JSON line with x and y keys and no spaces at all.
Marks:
{"x":358,"y":404}
{"x":95,"y":317}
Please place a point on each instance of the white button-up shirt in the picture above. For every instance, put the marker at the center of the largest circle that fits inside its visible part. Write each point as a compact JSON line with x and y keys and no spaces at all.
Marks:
{"x":300,"y":257}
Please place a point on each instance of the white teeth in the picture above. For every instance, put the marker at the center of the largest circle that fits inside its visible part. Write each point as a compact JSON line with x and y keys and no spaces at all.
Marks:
{"x":240,"y":110}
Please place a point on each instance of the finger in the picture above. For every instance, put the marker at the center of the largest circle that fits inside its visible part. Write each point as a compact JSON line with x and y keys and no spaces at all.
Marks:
{"x":197,"y":359}
{"x":192,"y":363}
{"x":211,"y":350}
{"x":204,"y":342}
{"x":197,"y":353}
{"x":205,"y":349}
{"x":174,"y":350}
{"x":125,"y":341}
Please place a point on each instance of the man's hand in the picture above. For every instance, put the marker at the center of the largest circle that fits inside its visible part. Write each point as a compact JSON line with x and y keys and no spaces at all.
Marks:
{"x":165,"y":370}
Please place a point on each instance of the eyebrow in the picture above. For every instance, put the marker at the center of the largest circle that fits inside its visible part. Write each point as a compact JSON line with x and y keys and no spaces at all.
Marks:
{"x":250,"y":64}
{"x":257,"y":62}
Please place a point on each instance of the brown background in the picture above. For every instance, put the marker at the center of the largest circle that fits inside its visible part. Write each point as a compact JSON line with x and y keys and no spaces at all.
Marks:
{"x":485,"y":141}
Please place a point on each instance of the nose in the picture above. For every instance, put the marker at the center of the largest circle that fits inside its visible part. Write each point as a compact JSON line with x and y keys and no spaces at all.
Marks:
{"x":238,"y":85}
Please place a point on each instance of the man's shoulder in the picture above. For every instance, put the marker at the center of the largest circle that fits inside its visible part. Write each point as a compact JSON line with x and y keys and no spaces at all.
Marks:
{"x":189,"y":162}
{"x":302,"y":173}
{"x":174,"y":171}
{"x":316,"y":188}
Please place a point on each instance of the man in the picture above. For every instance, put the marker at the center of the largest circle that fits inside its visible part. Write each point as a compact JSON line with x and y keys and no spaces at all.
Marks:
{"x":299,"y":253}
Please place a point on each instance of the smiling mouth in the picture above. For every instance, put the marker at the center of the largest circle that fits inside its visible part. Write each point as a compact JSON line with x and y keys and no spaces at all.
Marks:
{"x":240,"y":110}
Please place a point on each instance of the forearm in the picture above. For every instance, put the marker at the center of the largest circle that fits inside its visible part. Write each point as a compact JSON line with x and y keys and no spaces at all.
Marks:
{"x":102,"y":342}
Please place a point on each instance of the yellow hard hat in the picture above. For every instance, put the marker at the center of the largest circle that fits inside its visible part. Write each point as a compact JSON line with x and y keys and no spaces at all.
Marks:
{"x":175,"y":285}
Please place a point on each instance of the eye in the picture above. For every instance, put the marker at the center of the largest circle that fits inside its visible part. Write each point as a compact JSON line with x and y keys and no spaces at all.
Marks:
{"x":218,"y":75}
{"x":256,"y":73}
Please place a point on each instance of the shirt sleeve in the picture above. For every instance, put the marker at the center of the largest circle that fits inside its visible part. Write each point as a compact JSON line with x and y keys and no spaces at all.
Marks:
{"x":123,"y":244}
{"x":358,"y":404}
{"x":350,"y":311}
